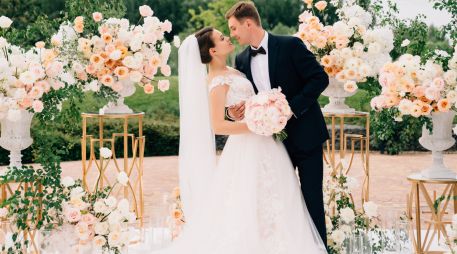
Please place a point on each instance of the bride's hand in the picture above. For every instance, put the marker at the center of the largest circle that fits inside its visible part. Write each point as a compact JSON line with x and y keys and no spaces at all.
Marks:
{"x":236,"y":112}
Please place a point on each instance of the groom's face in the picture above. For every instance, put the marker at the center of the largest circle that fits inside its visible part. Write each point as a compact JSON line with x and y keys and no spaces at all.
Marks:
{"x":239,"y":30}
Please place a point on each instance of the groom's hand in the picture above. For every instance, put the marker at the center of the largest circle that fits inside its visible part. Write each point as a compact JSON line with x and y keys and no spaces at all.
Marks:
{"x":236,"y":112}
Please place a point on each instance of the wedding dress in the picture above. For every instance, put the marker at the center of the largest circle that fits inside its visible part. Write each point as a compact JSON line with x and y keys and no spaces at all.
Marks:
{"x":251,"y":202}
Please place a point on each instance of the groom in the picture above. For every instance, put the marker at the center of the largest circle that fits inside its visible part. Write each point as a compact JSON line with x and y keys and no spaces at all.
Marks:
{"x":272,"y":61}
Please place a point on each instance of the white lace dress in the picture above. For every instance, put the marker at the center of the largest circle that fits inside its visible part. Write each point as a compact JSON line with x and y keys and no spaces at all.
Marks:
{"x":255,"y":205}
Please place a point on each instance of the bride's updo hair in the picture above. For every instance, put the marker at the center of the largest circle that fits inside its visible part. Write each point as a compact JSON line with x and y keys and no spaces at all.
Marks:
{"x":205,"y":43}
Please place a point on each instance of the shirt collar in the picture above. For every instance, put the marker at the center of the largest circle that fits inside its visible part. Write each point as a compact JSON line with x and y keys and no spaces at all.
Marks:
{"x":263,"y":43}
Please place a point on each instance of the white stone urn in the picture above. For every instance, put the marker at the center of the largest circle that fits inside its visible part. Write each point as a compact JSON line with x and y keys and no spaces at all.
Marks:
{"x":337,"y":96}
{"x":15,"y":136}
{"x":438,"y":141}
{"x":119,"y":107}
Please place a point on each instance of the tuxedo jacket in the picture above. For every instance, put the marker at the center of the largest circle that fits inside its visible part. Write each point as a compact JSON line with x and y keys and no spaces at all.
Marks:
{"x":302,"y":79}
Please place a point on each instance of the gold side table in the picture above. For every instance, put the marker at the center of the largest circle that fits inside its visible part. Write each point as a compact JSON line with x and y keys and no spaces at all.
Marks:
{"x":339,"y":164}
{"x":132,"y":165}
{"x":435,"y":223}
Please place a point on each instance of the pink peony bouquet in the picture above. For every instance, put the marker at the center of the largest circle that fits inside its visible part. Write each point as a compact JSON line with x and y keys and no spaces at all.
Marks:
{"x":267,"y":113}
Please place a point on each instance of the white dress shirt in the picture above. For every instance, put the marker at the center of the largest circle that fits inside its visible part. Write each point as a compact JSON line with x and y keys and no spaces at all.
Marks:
{"x":259,"y":67}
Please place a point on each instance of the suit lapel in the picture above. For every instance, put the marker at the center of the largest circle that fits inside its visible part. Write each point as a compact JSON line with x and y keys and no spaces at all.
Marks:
{"x":247,"y":67}
{"x":272,"y":58}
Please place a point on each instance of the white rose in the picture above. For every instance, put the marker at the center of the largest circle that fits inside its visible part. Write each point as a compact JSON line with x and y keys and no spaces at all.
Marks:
{"x":77,"y":193}
{"x":114,"y":238}
{"x":101,"y":228}
{"x":68,"y":181}
{"x":146,"y":11}
{"x":405,"y":43}
{"x":338,"y":236}
{"x":347,"y":215}
{"x":5,"y":22}
{"x":3,"y":42}
{"x":123,"y":206}
{"x":106,"y":153}
{"x":93,"y":86}
{"x":123,"y":178}
{"x":371,"y":209}
{"x":451,"y":77}
{"x":176,"y":41}
{"x":115,"y":55}
{"x":111,"y":202}
{"x":114,"y":217}
{"x":136,"y":76}
{"x":99,"y":241}
{"x":27,"y":78}
{"x":100,"y":207}
{"x":3,"y":212}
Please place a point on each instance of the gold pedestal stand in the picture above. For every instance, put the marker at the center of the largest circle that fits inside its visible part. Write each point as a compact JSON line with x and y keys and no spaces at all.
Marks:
{"x":97,"y":167}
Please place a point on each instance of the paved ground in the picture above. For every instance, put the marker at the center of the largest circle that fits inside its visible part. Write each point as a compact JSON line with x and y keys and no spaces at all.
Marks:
{"x":388,"y":184}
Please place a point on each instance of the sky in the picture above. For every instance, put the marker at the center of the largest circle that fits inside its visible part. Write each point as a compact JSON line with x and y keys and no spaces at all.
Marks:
{"x":410,"y":8}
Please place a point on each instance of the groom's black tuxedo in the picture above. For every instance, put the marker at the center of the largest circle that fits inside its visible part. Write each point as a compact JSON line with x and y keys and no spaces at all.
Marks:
{"x":302,"y":79}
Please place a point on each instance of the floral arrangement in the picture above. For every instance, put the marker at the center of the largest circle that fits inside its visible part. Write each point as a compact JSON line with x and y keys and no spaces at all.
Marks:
{"x":267,"y":112}
{"x":417,"y":89}
{"x":342,"y":219}
{"x":348,"y":50}
{"x":118,"y":55}
{"x":25,"y":76}
{"x":97,"y":218}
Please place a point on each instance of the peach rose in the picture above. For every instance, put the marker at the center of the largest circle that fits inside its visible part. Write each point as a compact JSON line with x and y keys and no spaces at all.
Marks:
{"x":97,"y":16}
{"x":107,"y":80}
{"x":350,"y":86}
{"x":122,"y":72}
{"x":96,"y":59}
{"x":444,"y":105}
{"x":40,"y":44}
{"x":148,"y":88}
{"x":177,"y":214}
{"x":321,"y":5}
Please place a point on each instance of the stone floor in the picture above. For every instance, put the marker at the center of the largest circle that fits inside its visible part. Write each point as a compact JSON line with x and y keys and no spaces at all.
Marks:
{"x":388,"y":184}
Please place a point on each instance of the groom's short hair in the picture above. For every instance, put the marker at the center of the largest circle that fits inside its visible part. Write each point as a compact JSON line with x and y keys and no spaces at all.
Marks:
{"x":243,"y":10}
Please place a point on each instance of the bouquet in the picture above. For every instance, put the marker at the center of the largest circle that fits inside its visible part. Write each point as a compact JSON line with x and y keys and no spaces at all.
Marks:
{"x":98,"y":218}
{"x":267,"y":113}
{"x":349,"y":50}
{"x":417,"y":89}
{"x":119,"y":54}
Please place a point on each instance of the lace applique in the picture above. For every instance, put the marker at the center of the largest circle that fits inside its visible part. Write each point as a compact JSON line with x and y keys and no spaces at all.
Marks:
{"x":270,"y":209}
{"x":219,"y":81}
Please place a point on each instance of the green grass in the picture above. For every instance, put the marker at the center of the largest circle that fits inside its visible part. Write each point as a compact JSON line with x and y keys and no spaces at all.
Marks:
{"x":159,"y":106}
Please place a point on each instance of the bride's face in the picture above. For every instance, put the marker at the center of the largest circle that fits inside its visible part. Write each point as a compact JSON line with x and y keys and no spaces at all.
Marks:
{"x":223,"y":45}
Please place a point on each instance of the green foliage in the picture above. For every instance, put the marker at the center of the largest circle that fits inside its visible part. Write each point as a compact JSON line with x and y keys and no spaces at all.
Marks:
{"x":212,"y":15}
{"x":450,"y":6}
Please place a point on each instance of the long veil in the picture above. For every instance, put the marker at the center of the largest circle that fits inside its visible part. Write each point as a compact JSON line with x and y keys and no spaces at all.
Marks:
{"x":197,"y":151}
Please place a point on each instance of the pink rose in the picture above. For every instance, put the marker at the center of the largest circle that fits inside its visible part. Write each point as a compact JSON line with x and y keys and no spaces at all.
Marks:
{"x":148,"y":88}
{"x":146,"y":11}
{"x":166,"y":26}
{"x":165,"y":70}
{"x":97,"y":16}
{"x":164,"y":85}
{"x":73,"y":215}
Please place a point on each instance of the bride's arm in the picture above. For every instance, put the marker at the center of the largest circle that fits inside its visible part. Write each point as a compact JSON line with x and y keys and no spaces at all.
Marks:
{"x":217,"y":104}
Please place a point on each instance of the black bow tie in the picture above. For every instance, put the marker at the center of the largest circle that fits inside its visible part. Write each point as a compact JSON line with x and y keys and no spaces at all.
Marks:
{"x":254,"y":52}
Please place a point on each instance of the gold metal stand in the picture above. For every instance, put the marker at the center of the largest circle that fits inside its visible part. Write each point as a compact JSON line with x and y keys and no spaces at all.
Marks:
{"x":435,"y":222}
{"x":330,"y":151}
{"x":132,"y":166}
{"x":8,"y":190}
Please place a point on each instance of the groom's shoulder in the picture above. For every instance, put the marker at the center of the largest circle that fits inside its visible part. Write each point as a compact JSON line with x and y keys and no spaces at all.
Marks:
{"x":286,"y":39}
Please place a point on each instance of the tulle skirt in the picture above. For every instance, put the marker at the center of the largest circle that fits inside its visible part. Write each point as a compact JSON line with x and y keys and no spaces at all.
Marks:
{"x":254,"y":205}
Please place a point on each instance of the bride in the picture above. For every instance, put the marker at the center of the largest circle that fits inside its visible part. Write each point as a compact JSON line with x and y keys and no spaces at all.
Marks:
{"x":250,"y":201}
